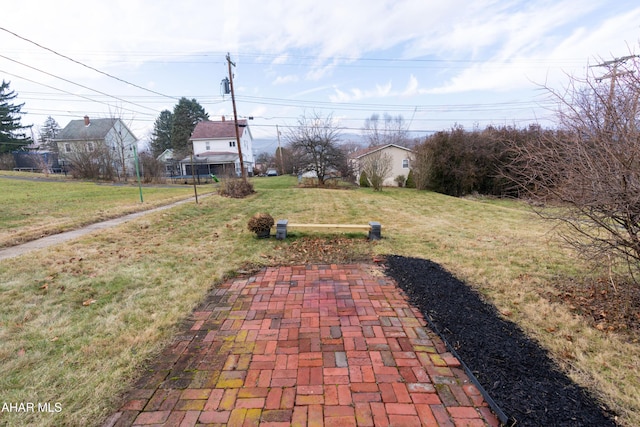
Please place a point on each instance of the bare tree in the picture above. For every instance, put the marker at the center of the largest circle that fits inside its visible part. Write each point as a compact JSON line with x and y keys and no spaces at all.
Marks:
{"x":377,"y":167}
{"x":385,"y":130}
{"x":591,"y":164}
{"x":153,"y":170}
{"x":422,"y":165}
{"x":314,"y":143}
{"x":122,"y":141}
{"x":92,"y":161}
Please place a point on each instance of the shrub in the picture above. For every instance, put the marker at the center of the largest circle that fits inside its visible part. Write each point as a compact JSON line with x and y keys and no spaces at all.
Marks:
{"x":457,"y":162}
{"x":152,"y":168}
{"x":308,"y":182}
{"x":261,"y":224}
{"x":7,"y":162}
{"x":364,"y":181}
{"x":410,"y":182}
{"x":400,"y":180}
{"x":378,"y":166}
{"x":237,"y":188}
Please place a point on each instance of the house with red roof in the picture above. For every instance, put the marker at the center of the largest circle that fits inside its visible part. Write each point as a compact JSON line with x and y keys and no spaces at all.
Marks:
{"x":215,"y":149}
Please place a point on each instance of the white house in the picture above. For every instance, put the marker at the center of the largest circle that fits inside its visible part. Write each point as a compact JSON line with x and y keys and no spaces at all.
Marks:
{"x":215,"y":148}
{"x":110,"y":139}
{"x":171,"y":164}
{"x":401,"y":158}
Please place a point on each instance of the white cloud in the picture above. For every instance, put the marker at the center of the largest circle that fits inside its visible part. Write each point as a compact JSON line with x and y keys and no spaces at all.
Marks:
{"x":318,"y":72}
{"x":282,"y":80}
{"x":379,"y":91}
{"x":281,"y":59}
{"x":413,"y":87}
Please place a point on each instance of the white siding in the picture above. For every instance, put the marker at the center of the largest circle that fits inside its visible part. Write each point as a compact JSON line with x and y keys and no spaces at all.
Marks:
{"x":400,"y":157}
{"x":226,"y":145}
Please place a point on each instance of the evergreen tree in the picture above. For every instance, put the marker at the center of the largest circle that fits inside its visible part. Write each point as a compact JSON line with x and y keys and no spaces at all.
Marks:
{"x":186,"y":115}
{"x":161,"y":137}
{"x":364,"y":181}
{"x":410,"y":182}
{"x":10,"y":137}
{"x":48,"y":133}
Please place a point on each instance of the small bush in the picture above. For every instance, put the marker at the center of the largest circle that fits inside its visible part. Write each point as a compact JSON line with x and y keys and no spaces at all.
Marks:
{"x":364,"y":180}
{"x":152,"y":169}
{"x":260,"y":223}
{"x":308,"y":182}
{"x":400,"y":180}
{"x":237,"y":188}
{"x":7,"y":162}
{"x":410,"y":183}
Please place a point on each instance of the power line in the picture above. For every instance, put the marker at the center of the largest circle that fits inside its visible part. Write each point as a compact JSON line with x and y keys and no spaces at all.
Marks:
{"x":77,"y":84}
{"x":85,"y":65}
{"x":388,"y":107}
{"x":69,"y":93}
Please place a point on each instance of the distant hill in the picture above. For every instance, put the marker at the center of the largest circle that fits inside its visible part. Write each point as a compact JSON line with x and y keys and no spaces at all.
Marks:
{"x":270,"y":145}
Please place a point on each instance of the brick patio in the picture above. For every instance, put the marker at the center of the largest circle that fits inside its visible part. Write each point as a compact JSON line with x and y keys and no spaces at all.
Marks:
{"x":334,"y":345}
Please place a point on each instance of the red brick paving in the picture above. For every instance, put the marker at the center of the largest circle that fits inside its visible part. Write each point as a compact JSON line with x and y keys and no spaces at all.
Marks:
{"x":334,"y":345}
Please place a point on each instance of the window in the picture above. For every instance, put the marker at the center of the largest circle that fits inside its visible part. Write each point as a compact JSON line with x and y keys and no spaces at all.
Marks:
{"x":67,"y":147}
{"x":90,"y":146}
{"x":232,"y":143}
{"x":405,"y":163}
{"x":208,"y":146}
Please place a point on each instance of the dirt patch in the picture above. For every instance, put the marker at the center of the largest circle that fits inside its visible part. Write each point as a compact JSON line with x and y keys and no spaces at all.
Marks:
{"x":324,"y":250}
{"x":515,"y":371}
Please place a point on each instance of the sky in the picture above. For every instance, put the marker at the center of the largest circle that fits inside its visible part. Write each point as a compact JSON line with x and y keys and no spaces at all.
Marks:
{"x":435,"y":63}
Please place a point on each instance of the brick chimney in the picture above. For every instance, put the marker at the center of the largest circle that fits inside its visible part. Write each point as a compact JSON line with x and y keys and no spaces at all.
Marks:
{"x":87,"y":122}
{"x":223,"y":118}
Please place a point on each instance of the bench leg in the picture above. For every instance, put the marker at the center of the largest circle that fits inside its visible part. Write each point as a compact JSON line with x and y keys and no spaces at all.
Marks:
{"x":281,"y":229}
{"x":375,"y":230}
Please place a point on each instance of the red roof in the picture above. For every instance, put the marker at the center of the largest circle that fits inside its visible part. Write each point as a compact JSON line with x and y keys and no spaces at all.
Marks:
{"x":218,"y":129}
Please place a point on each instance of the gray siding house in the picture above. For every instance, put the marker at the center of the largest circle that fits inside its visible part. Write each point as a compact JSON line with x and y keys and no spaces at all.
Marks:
{"x":105,"y":140}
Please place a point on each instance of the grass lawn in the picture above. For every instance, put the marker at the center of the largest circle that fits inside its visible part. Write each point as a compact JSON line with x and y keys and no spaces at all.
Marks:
{"x":79,"y":320}
{"x":32,"y":207}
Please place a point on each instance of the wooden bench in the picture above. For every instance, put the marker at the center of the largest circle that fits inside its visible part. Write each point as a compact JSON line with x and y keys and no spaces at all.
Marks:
{"x":374,"y":228}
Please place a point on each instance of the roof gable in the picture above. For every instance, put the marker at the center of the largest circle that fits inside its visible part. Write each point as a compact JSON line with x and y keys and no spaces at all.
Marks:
{"x":77,"y":130}
{"x":366,"y":151}
{"x":209,"y":129}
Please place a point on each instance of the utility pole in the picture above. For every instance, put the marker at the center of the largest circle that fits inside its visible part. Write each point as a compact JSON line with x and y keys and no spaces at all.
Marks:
{"x":235,"y":117}
{"x":613,"y":74}
{"x":280,"y":152}
{"x":137,"y":162}
{"x":193,"y":176}
{"x":615,"y":62}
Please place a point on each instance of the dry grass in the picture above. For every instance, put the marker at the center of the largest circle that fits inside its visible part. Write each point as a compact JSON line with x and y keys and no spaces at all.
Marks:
{"x":145,"y":276}
{"x":34,"y":206}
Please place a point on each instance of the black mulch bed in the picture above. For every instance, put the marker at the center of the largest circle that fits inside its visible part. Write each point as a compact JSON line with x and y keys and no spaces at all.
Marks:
{"x":514,"y":370}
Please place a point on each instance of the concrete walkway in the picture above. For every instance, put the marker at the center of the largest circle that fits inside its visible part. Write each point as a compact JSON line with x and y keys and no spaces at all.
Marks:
{"x":313,"y":345}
